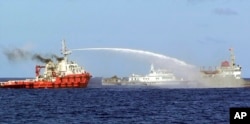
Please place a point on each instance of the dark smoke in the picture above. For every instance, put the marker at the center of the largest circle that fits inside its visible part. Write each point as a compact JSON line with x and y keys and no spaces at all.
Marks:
{"x":57,"y":57}
{"x":16,"y":54}
{"x":40,"y":58}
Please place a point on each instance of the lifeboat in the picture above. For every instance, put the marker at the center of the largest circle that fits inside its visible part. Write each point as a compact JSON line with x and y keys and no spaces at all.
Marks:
{"x":60,"y":74}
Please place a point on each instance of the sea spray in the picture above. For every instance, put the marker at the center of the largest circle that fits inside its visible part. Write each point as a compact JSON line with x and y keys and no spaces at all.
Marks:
{"x":180,"y":68}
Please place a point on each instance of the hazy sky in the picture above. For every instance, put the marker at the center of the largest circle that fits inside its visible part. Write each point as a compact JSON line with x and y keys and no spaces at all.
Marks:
{"x":199,"y":32}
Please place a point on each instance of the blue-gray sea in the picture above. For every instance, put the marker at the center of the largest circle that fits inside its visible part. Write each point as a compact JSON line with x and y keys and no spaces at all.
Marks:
{"x":115,"y":105}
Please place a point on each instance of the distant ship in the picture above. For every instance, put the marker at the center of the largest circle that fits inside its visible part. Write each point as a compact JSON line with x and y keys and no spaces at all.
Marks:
{"x":155,"y":77}
{"x":63,"y":74}
{"x":227,"y":69}
{"x":115,"y":80}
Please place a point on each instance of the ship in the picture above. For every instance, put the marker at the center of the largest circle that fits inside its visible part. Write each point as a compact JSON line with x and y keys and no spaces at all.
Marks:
{"x":155,"y":77}
{"x":227,"y":69}
{"x":114,"y":80}
{"x":60,"y":74}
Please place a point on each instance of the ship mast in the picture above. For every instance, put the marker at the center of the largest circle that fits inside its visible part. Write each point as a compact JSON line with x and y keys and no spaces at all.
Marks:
{"x":232,"y":57}
{"x":152,"y":68}
{"x":65,"y":51}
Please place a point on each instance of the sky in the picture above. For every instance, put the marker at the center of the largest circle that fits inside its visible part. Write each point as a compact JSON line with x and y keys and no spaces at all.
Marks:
{"x":198,"y":32}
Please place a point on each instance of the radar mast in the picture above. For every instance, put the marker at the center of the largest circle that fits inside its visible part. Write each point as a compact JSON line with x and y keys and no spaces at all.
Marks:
{"x":232,"y":57}
{"x":65,"y":51}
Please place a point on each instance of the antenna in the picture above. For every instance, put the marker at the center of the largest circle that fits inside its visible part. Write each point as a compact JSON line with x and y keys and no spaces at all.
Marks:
{"x":65,"y":51}
{"x":232,"y":57}
{"x":152,"y":68}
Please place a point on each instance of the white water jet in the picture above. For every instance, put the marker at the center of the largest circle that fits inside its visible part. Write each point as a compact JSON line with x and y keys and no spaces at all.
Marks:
{"x":178,"y":67}
{"x":160,"y":56}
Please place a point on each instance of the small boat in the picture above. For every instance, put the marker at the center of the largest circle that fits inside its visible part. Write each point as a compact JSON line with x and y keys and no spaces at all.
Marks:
{"x":114,"y":80}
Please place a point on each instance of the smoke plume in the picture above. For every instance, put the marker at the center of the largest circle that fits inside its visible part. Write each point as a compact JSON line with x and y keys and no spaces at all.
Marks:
{"x":57,"y":57}
{"x":16,"y":54}
{"x":19,"y":54}
{"x":40,"y":58}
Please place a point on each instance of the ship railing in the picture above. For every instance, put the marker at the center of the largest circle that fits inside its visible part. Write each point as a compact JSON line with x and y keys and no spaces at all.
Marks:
{"x":2,"y":83}
{"x":26,"y":80}
{"x":210,"y":68}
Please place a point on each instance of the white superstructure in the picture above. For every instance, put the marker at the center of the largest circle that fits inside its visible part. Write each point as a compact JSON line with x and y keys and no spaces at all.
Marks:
{"x":62,"y":68}
{"x":159,"y":76}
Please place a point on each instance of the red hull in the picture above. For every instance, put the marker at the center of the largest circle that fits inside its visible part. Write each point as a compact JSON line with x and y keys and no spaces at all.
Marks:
{"x":69,"y":81}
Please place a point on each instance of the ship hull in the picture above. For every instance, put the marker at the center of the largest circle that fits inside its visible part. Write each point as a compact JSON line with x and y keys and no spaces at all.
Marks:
{"x":70,"y":81}
{"x":175,"y":82}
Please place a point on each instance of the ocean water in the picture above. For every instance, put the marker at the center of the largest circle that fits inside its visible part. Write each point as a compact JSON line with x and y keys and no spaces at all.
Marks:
{"x":108,"y":105}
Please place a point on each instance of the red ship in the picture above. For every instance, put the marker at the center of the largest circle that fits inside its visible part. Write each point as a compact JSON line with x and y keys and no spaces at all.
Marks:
{"x":62,"y":74}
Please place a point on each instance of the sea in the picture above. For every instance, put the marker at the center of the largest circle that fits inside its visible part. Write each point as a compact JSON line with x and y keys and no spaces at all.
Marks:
{"x":118,"y":105}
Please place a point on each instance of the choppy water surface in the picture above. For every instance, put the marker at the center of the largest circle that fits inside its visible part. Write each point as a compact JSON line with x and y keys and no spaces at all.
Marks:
{"x":120,"y":105}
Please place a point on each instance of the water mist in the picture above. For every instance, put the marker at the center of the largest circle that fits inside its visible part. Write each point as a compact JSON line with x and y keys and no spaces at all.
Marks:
{"x":180,"y":68}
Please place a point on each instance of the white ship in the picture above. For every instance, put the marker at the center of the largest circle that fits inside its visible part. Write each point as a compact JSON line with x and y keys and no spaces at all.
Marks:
{"x":155,"y":77}
{"x":228,"y":69}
